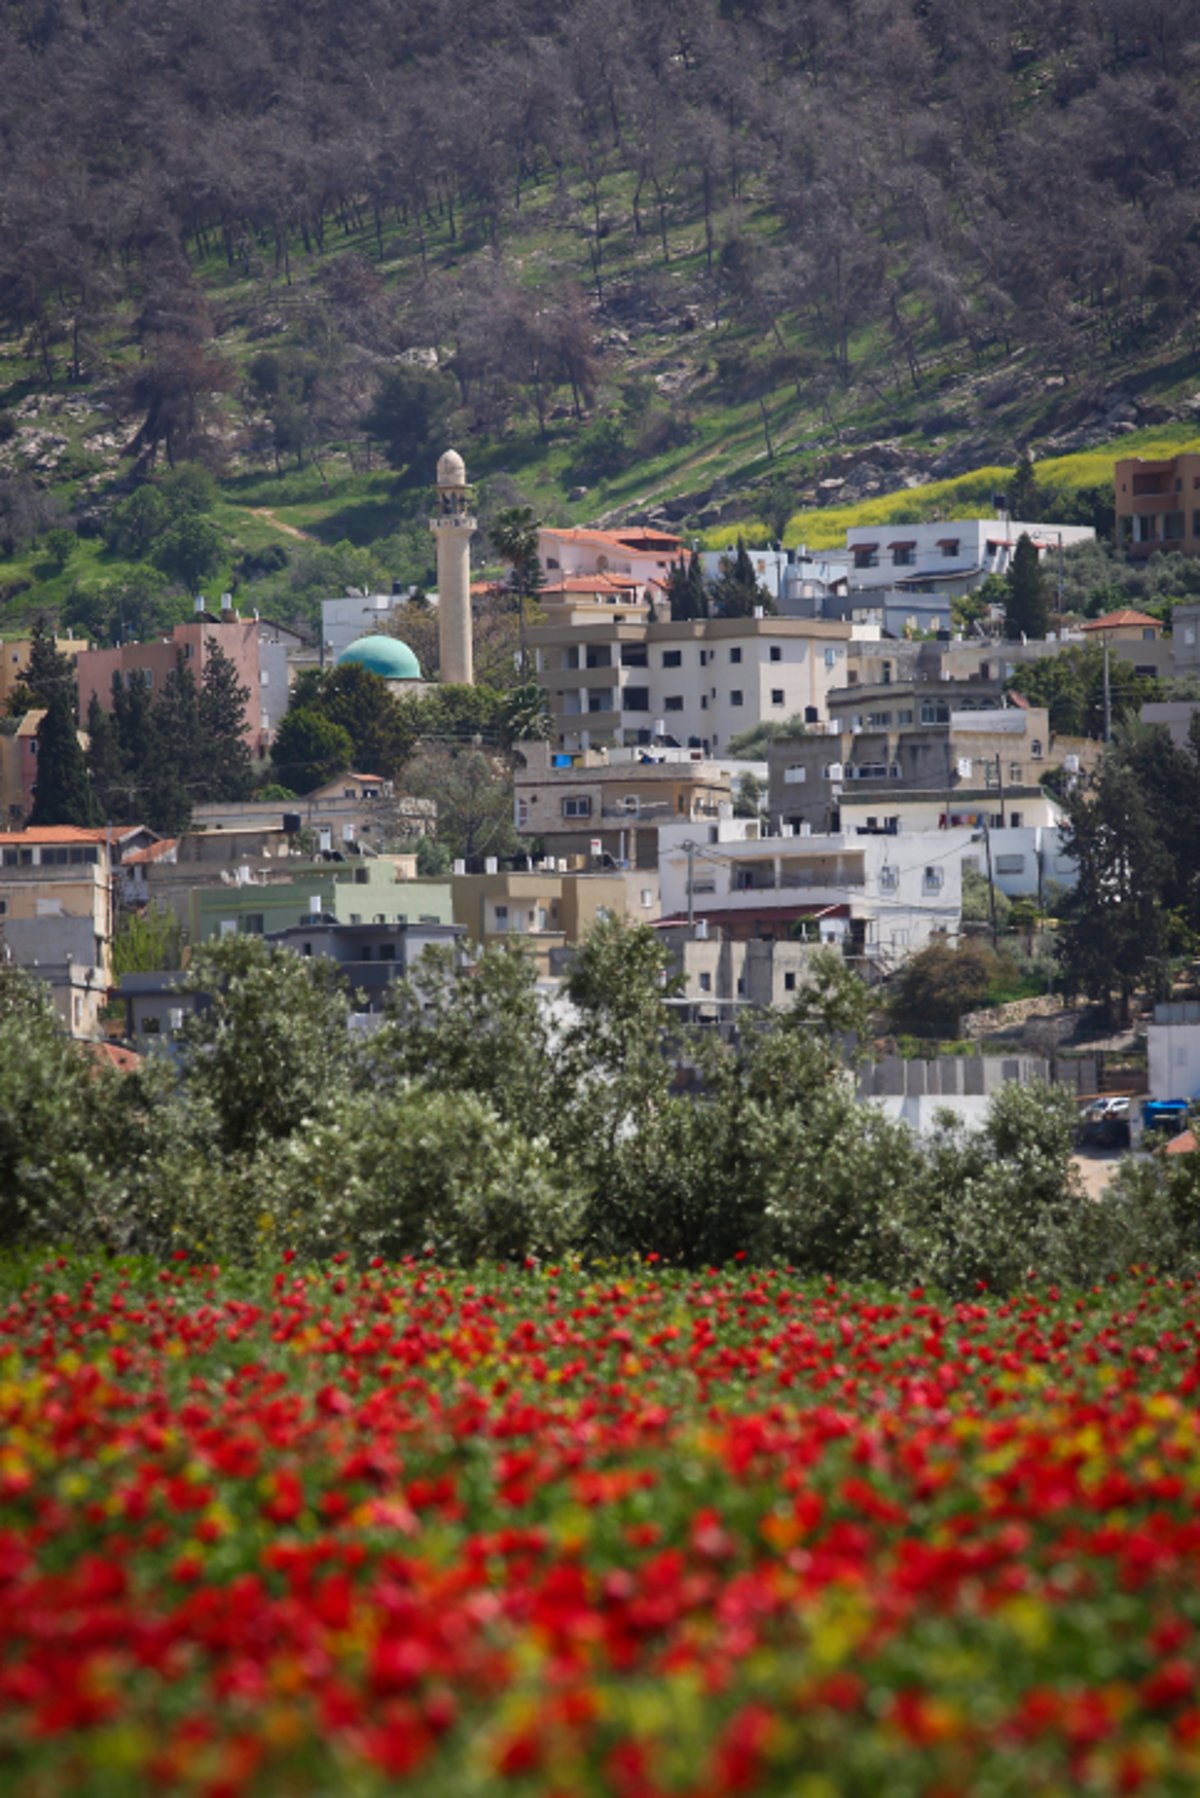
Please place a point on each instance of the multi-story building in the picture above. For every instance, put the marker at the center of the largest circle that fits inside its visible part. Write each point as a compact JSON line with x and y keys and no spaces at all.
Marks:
{"x":14,"y":661}
{"x":949,"y":557}
{"x":1158,"y":504}
{"x":1185,"y":636}
{"x":56,"y":915}
{"x":697,"y":683}
{"x":260,"y":664}
{"x":1135,"y":637}
{"x":615,"y":571}
{"x":378,"y":890}
{"x":610,"y":805}
{"x":878,"y":898}
{"x":955,"y":761}
{"x":547,"y":909}
{"x":722,"y":974}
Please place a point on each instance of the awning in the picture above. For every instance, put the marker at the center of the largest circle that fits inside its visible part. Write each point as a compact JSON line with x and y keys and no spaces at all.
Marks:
{"x":908,"y":543}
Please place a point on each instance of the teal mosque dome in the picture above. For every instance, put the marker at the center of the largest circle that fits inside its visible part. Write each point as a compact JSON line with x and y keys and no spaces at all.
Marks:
{"x":385,"y":656}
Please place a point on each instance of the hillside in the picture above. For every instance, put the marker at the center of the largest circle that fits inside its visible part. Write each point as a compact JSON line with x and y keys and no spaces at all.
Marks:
{"x":719,"y":262}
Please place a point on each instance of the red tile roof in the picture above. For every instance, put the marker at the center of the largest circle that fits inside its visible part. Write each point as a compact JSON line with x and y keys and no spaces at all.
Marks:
{"x":1113,"y":620}
{"x":1183,"y":1144}
{"x":56,"y":833}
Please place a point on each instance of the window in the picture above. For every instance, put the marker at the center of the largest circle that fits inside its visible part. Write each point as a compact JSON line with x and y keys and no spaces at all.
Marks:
{"x":647,"y":898}
{"x":1010,"y":864}
{"x":932,"y":879}
{"x":735,"y":655}
{"x":831,"y":661}
{"x":673,"y":702}
{"x":704,"y":658}
{"x":634,"y":655}
{"x":776,"y":654}
{"x":599,"y":656}
{"x":796,"y":773}
{"x":601,"y":701}
{"x":904,"y":717}
{"x":735,"y":698}
{"x":879,"y":719}
{"x":903,"y":555}
{"x":501,"y":916}
{"x":1016,"y":819}
{"x":254,"y":923}
{"x":866,"y":555}
{"x":706,"y":983}
{"x":673,"y":658}
{"x":1035,"y":750}
{"x":635,"y":699}
{"x":3,"y":908}
{"x":776,"y":695}
{"x":1014,"y":771}
{"x":789,"y":982}
{"x":579,"y":806}
{"x":387,"y":951}
{"x":889,"y":879}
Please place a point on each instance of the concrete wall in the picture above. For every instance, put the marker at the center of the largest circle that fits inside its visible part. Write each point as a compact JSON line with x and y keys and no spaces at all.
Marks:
{"x":1173,"y":1046}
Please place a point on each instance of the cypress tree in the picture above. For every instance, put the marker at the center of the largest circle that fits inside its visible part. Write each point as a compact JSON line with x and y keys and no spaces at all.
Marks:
{"x":1026,"y":613}
{"x":106,"y":767}
{"x":63,"y":794}
{"x":226,"y":753}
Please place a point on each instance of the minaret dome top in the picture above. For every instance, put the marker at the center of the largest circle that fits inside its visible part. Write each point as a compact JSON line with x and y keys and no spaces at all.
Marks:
{"x":451,"y":470}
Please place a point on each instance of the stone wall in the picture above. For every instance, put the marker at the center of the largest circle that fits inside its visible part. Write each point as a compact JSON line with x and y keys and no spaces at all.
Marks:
{"x":1000,"y":1017}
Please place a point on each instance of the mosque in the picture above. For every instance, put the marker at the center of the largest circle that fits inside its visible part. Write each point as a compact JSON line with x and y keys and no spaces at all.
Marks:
{"x":453,"y":525}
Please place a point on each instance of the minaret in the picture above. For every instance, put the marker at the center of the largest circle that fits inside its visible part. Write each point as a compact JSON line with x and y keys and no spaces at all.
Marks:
{"x":452,"y":525}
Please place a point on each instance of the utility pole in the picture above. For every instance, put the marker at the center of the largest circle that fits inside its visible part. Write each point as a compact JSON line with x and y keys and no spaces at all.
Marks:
{"x":1000,"y":784}
{"x":691,"y":901}
{"x":987,"y":848}
{"x":1107,"y":695}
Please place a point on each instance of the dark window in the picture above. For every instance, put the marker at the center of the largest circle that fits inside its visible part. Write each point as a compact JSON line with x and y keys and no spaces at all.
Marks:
{"x":789,"y":983}
{"x":634,"y":655}
{"x":735,"y":655}
{"x":776,"y":695}
{"x":673,"y":703}
{"x":672,"y":658}
{"x":776,"y":653}
{"x":735,"y":698}
{"x":635,"y":699}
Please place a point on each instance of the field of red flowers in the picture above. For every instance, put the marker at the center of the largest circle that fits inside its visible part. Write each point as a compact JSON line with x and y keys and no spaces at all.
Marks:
{"x":547,"y":1531}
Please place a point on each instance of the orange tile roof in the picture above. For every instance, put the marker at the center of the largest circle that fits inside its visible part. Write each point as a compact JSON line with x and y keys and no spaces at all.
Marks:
{"x":634,"y":538}
{"x":1112,"y":620}
{"x":56,"y":833}
{"x":1182,"y":1144}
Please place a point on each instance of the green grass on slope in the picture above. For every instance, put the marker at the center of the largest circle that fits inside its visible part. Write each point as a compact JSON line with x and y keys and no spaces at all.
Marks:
{"x":965,"y":496}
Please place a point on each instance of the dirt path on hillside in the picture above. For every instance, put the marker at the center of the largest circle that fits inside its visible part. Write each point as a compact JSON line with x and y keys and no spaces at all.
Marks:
{"x":289,"y":530}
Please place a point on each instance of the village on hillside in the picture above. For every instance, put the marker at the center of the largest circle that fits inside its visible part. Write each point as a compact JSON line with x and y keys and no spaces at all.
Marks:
{"x":758,"y":756}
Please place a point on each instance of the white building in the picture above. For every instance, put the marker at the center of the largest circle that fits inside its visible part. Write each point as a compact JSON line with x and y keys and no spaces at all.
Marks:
{"x":879,"y":898}
{"x":698,"y":683}
{"x":1026,"y":858}
{"x":954,"y":555}
{"x":355,"y":615}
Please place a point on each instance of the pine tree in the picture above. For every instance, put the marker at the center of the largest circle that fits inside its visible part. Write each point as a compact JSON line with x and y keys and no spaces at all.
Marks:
{"x":699,"y":587}
{"x":1115,"y":923}
{"x":222,"y":728}
{"x":106,"y":767}
{"x":1027,"y":614}
{"x":679,"y":593}
{"x":49,"y":671}
{"x":63,"y":794}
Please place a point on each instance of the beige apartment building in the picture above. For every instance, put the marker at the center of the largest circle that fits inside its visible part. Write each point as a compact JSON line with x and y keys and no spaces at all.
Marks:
{"x":56,"y":915}
{"x":697,"y":683}
{"x":608,"y":805}
{"x":550,"y":908}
